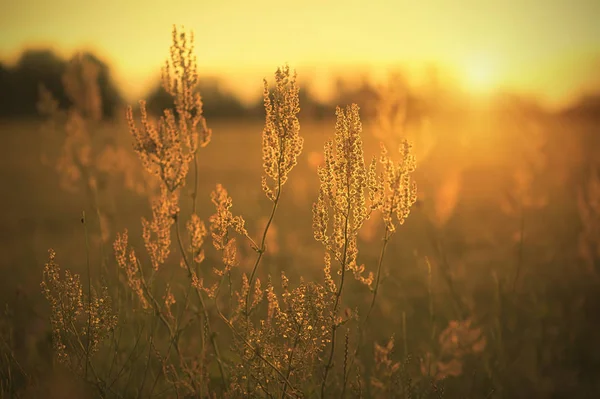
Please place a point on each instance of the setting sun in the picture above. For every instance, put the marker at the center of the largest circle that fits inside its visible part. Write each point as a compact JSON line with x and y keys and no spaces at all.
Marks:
{"x":480,"y":75}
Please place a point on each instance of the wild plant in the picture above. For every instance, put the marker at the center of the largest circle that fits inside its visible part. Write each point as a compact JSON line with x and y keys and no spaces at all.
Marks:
{"x":282,"y":338}
{"x":80,"y":321}
{"x":14,"y":376}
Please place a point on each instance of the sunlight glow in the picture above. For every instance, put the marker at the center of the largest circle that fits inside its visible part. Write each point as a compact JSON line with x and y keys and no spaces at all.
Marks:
{"x":321,"y":36}
{"x":481,"y":75}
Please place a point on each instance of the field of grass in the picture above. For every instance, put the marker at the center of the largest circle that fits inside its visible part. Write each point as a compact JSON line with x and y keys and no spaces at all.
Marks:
{"x":486,"y":291}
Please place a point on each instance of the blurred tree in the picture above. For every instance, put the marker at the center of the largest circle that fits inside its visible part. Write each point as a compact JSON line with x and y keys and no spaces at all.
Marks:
{"x":5,"y":88}
{"x":368,"y":96}
{"x":20,"y":84}
{"x":362,"y":93}
{"x":218,"y":102}
{"x":310,"y":106}
{"x":20,"y":89}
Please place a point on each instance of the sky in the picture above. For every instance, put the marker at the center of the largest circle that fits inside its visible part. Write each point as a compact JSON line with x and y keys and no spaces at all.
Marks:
{"x":549,"y":48}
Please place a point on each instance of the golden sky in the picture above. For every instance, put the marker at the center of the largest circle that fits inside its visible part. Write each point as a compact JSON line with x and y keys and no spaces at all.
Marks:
{"x":549,"y":47}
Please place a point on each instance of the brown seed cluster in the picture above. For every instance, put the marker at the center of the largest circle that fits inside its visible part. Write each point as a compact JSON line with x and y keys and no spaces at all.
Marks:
{"x":166,"y":148}
{"x":342,"y":192}
{"x":394,"y":191}
{"x":281,"y":141}
{"x":128,"y":261}
{"x":79,"y":322}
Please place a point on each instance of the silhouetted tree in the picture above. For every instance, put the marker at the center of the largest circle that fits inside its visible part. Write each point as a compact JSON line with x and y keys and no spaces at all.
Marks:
{"x":364,"y":94}
{"x":6,"y":89}
{"x":19,"y":85}
{"x":217,"y":101}
{"x":33,"y":68}
{"x":310,"y":106}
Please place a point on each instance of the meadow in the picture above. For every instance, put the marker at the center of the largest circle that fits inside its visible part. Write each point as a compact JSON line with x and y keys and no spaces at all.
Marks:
{"x":488,"y":287}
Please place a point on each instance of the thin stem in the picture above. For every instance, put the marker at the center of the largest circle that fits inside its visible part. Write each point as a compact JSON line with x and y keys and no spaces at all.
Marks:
{"x":93,"y":197}
{"x":156,"y":306}
{"x":89,"y":276}
{"x":203,"y":305}
{"x":347,"y":366}
{"x":361,"y":332}
{"x":404,"y":337}
{"x":129,"y":357}
{"x":386,"y":239}
{"x":256,"y":352}
{"x":338,"y":295}
{"x":292,"y":353}
{"x":430,"y":299}
{"x":195,"y":193}
{"x":261,"y":251}
{"x":445,"y":267}
{"x":262,"y":248}
{"x":116,"y":343}
{"x":145,"y":375}
{"x":520,"y":250}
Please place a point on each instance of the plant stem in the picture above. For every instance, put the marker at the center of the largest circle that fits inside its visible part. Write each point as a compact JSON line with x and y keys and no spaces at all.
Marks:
{"x":262,"y":248}
{"x":195,"y":193}
{"x":89,"y":276}
{"x":386,"y":238}
{"x":256,"y":352}
{"x":338,"y":295}
{"x":203,"y":305}
{"x":291,"y":357}
{"x":261,"y":251}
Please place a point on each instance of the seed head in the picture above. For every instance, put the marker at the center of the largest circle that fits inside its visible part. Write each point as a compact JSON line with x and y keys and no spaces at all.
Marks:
{"x":281,"y":142}
{"x":341,"y":198}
